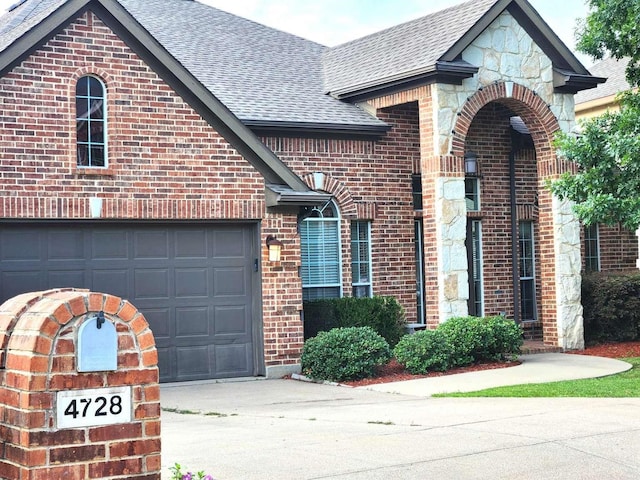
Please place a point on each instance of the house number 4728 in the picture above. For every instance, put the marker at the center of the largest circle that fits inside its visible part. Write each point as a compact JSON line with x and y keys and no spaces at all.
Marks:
{"x":100,"y":406}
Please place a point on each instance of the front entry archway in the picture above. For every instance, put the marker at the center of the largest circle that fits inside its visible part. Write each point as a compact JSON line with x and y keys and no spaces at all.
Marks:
{"x":553,"y":231}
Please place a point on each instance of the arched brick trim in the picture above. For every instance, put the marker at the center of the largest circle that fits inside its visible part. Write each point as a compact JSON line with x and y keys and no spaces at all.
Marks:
{"x":329,"y":184}
{"x":536,"y":114}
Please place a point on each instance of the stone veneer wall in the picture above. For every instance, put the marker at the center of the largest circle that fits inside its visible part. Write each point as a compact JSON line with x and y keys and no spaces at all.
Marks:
{"x":507,"y":55}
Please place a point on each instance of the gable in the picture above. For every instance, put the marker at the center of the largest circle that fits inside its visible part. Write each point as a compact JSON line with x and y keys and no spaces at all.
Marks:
{"x":18,"y":42}
{"x":429,"y":50}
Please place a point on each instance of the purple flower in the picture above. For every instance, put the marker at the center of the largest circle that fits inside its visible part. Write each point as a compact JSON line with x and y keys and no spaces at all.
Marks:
{"x":187,"y":476}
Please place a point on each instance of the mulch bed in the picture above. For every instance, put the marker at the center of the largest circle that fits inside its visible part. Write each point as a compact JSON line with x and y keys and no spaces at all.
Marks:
{"x":394,"y":372}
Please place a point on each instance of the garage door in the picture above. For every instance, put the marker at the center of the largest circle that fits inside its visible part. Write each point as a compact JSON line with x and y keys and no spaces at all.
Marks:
{"x":194,"y":284}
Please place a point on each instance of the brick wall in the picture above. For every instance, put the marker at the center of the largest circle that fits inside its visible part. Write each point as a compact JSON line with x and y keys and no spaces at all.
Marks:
{"x":370,"y":181}
{"x":165,"y":161}
{"x":618,"y":249}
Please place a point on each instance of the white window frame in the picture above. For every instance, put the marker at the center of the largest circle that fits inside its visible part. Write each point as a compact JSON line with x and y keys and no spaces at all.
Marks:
{"x":317,"y":216}
{"x":473,"y":204}
{"x":356,"y":249}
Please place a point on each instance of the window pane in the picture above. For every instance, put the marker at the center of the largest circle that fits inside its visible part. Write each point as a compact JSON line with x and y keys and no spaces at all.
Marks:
{"x":360,"y":258}
{"x":97,"y":156}
{"x":82,"y":108}
{"x":95,"y":88}
{"x":82,"y":87}
{"x":96,"y":109}
{"x":97,"y":133}
{"x":83,"y":155}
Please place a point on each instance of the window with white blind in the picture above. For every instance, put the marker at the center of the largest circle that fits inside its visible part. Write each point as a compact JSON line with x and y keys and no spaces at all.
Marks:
{"x":361,"y":259}
{"x":321,"y":257}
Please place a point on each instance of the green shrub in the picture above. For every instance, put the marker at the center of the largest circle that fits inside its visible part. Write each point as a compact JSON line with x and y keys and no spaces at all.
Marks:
{"x":476,"y":339}
{"x":424,"y":351}
{"x":611,"y":307}
{"x":347,"y":353}
{"x":384,"y":314}
{"x":469,"y":337}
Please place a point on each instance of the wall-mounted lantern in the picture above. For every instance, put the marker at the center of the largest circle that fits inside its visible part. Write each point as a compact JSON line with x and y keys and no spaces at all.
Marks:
{"x":275,"y":247}
{"x":470,"y":163}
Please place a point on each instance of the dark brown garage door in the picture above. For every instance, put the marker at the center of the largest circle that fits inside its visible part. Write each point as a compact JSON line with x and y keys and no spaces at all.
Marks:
{"x":194,"y":284}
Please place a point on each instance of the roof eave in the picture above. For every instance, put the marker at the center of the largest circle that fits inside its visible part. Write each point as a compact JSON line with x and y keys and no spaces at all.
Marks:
{"x":280,"y":196}
{"x":570,"y":82}
{"x":441,"y":72}
{"x":268,"y":128}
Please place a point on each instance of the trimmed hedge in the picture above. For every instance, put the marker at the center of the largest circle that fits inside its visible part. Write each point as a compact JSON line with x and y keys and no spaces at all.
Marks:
{"x":384,"y":314}
{"x":611,"y":307}
{"x":349,"y":353}
{"x":424,"y":351}
{"x":458,"y":342}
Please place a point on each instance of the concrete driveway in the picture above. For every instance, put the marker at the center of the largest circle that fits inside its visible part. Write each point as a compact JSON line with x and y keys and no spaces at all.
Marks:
{"x":286,"y":429}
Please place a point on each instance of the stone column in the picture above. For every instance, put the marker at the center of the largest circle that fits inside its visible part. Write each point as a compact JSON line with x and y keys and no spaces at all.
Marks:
{"x":451,"y":221}
{"x":568,"y":277}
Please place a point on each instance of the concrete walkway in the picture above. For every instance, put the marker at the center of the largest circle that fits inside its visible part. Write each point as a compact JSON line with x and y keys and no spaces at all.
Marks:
{"x":538,"y":368}
{"x":291,"y":430}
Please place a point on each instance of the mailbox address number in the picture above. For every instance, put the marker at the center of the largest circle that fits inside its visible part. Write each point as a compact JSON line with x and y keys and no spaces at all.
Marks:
{"x":99,"y":406}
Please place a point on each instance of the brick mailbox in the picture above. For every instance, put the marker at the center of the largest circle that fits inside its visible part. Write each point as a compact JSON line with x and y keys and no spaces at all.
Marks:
{"x":79,"y":393}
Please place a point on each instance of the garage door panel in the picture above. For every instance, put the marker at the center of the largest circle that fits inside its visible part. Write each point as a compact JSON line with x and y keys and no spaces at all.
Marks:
{"x":230,"y":281}
{"x":193,"y":283}
{"x":231,"y":320}
{"x":15,"y":283}
{"x":109,"y":244}
{"x":20,"y":245}
{"x":67,"y":278}
{"x":151,"y":244}
{"x":159,"y":320}
{"x":66,"y":245}
{"x":232,"y":360}
{"x":192,"y":322}
{"x":151,"y":283}
{"x":115,"y":282}
{"x":230,"y":243}
{"x":192,"y":244}
{"x":193,"y":362}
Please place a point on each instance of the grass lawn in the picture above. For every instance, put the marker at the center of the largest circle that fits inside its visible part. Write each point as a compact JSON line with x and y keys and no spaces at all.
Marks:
{"x":626,"y":384}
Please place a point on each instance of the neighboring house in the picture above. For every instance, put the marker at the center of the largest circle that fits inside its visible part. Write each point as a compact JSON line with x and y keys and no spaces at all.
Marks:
{"x":606,"y":248}
{"x":150,"y":148}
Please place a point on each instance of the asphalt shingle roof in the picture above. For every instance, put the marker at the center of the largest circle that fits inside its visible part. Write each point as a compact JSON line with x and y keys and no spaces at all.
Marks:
{"x":614,"y":71}
{"x":400,"y":49}
{"x":261,"y":74}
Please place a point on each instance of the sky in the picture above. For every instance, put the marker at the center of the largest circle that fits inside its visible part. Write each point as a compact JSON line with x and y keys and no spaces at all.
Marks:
{"x":332,"y":22}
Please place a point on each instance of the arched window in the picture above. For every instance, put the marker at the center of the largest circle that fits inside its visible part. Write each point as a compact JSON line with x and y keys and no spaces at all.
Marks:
{"x":321,"y":254}
{"x":91,"y":122}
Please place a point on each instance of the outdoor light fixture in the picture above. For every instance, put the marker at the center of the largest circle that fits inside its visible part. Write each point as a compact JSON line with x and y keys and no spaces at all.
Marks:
{"x":470,"y":163}
{"x":275,"y":247}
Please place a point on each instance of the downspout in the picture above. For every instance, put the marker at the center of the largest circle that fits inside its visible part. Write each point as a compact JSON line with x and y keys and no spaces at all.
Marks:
{"x":515,"y":271}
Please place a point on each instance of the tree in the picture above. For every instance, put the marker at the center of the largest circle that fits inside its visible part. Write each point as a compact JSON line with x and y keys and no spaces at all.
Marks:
{"x":613,"y":28}
{"x":606,"y":188}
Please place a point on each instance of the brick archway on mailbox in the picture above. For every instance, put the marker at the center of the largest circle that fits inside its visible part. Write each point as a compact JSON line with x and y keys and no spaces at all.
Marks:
{"x":59,"y":422}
